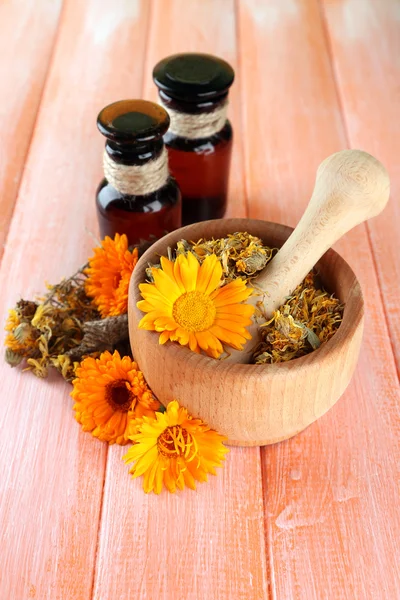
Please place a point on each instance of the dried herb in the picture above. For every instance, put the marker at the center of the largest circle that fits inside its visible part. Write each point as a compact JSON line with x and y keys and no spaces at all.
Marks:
{"x":241,"y":254}
{"x":309,"y":317}
{"x":61,"y":329}
{"x":101,"y":335}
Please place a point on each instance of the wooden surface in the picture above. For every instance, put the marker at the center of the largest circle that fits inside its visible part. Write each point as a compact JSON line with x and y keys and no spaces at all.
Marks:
{"x":28,"y":32}
{"x":312,"y":518}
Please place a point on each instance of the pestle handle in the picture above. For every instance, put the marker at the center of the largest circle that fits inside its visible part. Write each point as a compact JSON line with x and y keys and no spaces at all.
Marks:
{"x":351,"y":186}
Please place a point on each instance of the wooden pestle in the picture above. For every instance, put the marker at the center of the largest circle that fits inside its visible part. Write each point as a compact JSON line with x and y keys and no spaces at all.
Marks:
{"x":351,"y":186}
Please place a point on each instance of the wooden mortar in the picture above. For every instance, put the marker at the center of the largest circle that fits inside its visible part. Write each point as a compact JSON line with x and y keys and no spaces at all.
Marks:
{"x":255,"y":405}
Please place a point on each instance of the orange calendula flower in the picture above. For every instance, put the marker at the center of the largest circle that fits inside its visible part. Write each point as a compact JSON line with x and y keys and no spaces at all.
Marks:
{"x":174,"y":450}
{"x":108,"y":275}
{"x":110,"y":393}
{"x":186,"y":304}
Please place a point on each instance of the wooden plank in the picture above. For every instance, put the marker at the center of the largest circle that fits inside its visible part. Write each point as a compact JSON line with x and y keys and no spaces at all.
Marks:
{"x":331,"y":493}
{"x":187,"y":546}
{"x":365,"y":42}
{"x":209,"y":543}
{"x":52,"y":473}
{"x":27,"y":34}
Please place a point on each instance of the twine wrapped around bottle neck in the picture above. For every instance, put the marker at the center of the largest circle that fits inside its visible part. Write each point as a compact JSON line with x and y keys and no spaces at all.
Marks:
{"x":137,"y":180}
{"x":197,"y":126}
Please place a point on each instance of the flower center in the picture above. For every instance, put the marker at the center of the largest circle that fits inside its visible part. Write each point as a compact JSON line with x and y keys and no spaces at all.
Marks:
{"x":176,"y":441}
{"x":118,"y":396}
{"x":117,"y":280}
{"x":194,"y":311}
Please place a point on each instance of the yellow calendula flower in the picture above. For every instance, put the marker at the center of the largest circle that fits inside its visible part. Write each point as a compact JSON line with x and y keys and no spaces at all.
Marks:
{"x":186,"y":304}
{"x":110,"y":393}
{"x":174,"y":450}
{"x":108,"y":275}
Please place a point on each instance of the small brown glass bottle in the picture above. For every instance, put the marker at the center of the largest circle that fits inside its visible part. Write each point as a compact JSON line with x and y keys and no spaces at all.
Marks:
{"x":194,"y":88}
{"x":138,"y":196}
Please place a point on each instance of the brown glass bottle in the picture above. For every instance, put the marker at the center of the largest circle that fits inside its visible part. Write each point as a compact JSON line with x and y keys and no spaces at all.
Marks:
{"x":145,"y":205}
{"x":196,"y":85}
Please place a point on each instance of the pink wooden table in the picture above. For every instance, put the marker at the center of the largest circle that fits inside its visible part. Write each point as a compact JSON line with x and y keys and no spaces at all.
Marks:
{"x":313,"y":518}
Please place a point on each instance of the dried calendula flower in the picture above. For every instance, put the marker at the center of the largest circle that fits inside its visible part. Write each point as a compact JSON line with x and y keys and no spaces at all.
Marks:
{"x":65,"y":366}
{"x":309,"y":317}
{"x":13,"y":358}
{"x":240,"y":254}
{"x":38,"y":366}
{"x":64,"y":327}
{"x":21,"y":335}
{"x":56,"y":325}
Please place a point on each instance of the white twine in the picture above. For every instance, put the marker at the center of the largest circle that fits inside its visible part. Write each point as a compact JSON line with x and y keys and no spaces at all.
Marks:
{"x":137,"y":180}
{"x":197,"y":126}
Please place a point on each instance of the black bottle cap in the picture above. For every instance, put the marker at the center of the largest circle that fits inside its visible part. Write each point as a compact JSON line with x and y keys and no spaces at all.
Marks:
{"x":133,"y":121}
{"x":193,"y":77}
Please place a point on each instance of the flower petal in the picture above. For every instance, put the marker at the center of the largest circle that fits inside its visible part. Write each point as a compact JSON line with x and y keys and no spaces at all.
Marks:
{"x":188,"y":271}
{"x":96,"y":407}
{"x":168,"y":267}
{"x":166,"y":286}
{"x":233,"y":339}
{"x":210,"y":274}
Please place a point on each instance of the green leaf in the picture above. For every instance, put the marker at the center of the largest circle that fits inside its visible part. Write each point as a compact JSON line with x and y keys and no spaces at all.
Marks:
{"x":312,"y":338}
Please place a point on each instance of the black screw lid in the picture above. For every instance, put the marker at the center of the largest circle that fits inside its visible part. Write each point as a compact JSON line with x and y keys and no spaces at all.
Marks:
{"x":193,"y":77}
{"x":134,"y":121}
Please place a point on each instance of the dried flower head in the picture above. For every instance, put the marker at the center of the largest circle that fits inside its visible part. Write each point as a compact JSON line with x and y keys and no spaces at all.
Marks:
{"x":240,"y":254}
{"x":20,"y":333}
{"x":66,"y":326}
{"x":174,"y":450}
{"x":108,"y":275}
{"x":44,"y":332}
{"x":308,"y":318}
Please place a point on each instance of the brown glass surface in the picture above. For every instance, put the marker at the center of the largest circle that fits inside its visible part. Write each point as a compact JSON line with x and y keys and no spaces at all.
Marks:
{"x":135,"y":121}
{"x":201,"y":168}
{"x":142,"y":218}
{"x":134,"y":130}
{"x":196,"y":84}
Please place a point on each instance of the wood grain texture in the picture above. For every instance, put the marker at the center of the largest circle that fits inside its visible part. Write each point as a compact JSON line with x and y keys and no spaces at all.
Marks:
{"x":27,"y":34}
{"x":189,"y":546}
{"x":209,"y":544}
{"x":252,"y":405}
{"x":52,"y":472}
{"x":331,"y":514}
{"x":364,"y":38}
{"x":330,"y":492}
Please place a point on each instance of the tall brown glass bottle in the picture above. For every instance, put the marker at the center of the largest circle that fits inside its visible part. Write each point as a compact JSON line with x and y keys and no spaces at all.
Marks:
{"x":138,"y":196}
{"x":194,"y":89}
